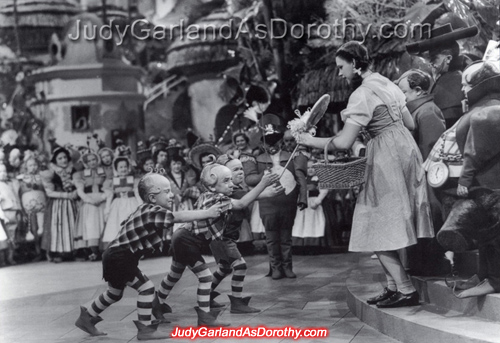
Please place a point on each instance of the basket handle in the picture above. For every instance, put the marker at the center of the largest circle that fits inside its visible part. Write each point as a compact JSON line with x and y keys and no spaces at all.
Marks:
{"x":326,"y":148}
{"x":340,"y":159}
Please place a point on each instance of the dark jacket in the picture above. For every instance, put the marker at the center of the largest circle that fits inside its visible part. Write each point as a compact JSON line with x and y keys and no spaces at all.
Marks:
{"x":254,"y":169}
{"x":429,"y":123}
{"x":478,"y":136}
{"x":447,"y":91}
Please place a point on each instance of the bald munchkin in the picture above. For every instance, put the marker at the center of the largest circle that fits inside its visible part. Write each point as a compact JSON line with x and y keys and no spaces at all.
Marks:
{"x":211,"y":173}
{"x":151,"y":183}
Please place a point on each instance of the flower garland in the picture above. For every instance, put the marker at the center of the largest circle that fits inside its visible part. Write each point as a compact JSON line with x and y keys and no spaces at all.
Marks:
{"x":299,"y":125}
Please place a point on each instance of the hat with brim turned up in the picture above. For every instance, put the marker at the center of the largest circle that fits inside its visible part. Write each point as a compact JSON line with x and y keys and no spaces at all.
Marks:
{"x":441,"y":38}
{"x":203,"y":149}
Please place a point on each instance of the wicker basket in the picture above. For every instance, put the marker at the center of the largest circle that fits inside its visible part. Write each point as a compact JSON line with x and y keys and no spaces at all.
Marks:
{"x":342,"y":173}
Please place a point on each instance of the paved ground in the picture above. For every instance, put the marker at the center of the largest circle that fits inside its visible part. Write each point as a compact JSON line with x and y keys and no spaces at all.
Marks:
{"x":39,"y":302}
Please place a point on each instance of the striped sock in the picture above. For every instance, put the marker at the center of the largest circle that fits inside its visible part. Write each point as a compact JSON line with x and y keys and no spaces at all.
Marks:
{"x":105,"y":300}
{"x":146,"y":290}
{"x":240,"y":271}
{"x":222,"y":271}
{"x":204,"y":276}
{"x":169,"y":281}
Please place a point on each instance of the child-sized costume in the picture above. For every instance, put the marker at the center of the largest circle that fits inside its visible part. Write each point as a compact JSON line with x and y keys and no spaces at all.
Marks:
{"x":309,"y":225}
{"x":229,"y":259}
{"x":142,"y":230}
{"x":60,"y":211}
{"x":90,"y":219}
{"x":124,"y":201}
{"x":188,"y":242}
{"x":278,"y":213}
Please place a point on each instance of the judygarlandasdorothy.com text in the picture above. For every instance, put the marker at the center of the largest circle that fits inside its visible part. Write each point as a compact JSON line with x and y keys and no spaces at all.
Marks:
{"x":141,"y":30}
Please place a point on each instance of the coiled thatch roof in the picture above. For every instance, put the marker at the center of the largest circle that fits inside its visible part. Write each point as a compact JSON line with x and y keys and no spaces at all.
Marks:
{"x":210,"y":53}
{"x":38,"y":13}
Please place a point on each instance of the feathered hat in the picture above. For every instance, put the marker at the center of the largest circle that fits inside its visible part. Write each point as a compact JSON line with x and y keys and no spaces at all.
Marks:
{"x":272,"y":128}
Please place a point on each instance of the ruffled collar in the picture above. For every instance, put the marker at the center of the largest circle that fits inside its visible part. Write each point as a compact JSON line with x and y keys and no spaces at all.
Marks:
{"x":64,"y":173}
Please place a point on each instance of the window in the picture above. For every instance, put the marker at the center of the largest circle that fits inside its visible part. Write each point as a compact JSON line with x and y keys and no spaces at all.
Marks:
{"x":80,"y":118}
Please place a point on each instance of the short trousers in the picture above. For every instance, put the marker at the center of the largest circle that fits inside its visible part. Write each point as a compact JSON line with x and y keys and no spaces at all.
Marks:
{"x":186,"y":247}
{"x":225,"y":251}
{"x":119,"y":266}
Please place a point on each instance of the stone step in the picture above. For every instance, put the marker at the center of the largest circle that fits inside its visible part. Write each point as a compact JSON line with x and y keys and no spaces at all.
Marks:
{"x":434,"y":291}
{"x":424,"y":323}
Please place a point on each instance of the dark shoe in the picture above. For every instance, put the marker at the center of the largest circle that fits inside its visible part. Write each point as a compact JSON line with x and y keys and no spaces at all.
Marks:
{"x":277,"y":274}
{"x":160,"y":309}
{"x":87,"y":323}
{"x":400,"y":300}
{"x":209,"y":318}
{"x":386,"y":294}
{"x":240,"y":305}
{"x":213,"y":303}
{"x":289,"y":273}
{"x":149,"y":332}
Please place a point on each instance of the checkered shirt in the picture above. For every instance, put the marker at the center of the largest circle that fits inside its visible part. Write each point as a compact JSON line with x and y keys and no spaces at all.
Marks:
{"x":143,"y":228}
{"x":212,"y":228}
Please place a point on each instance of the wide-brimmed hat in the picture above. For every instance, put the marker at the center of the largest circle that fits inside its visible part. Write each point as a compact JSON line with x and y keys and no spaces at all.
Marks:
{"x":441,"y":38}
{"x":201,"y":149}
{"x":173,"y":151}
{"x":160,"y":144}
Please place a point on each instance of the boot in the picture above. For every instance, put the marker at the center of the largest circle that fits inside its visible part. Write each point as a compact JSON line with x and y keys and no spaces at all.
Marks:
{"x":209,"y":318}
{"x":289,"y":272}
{"x":145,"y":333}
{"x":213,"y":303}
{"x":160,"y":309}
{"x":240,"y":305}
{"x":277,"y":274}
{"x":87,"y":323}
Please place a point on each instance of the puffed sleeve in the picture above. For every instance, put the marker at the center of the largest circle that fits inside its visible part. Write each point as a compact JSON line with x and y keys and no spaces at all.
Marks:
{"x":359,"y":110}
{"x":48,"y":184}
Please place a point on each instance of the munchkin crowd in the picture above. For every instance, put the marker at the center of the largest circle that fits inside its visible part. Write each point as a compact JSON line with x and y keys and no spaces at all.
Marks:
{"x":430,"y":190}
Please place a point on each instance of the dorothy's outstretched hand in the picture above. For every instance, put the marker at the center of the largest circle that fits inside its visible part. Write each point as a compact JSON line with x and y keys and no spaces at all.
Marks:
{"x":304,"y":138}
